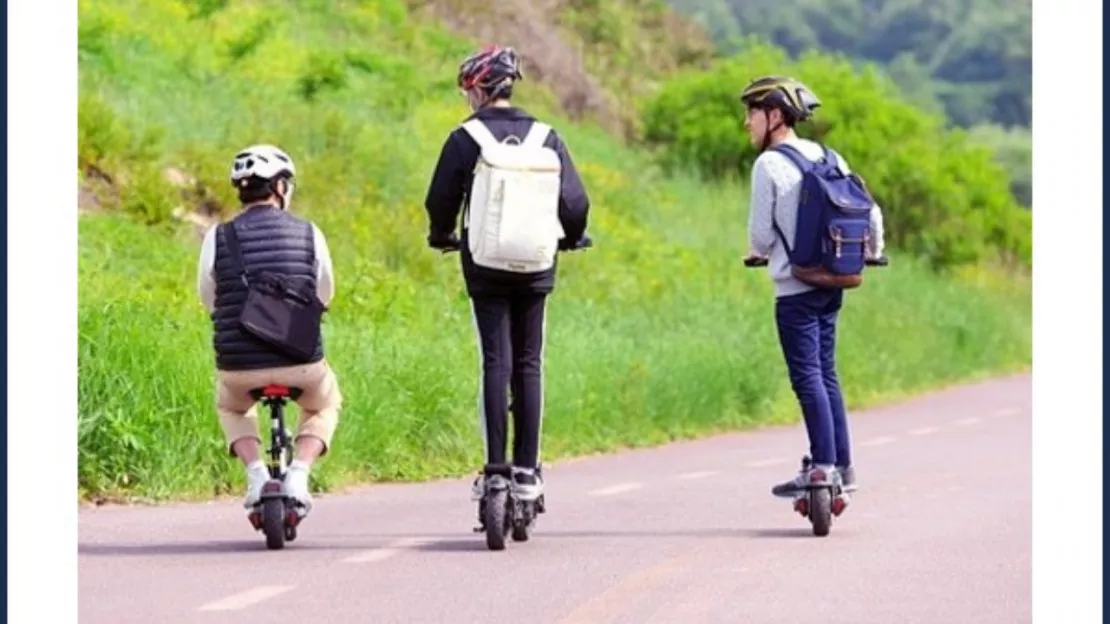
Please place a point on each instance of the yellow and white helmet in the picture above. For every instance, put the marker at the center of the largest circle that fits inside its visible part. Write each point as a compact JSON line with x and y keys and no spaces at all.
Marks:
{"x":796,"y":101}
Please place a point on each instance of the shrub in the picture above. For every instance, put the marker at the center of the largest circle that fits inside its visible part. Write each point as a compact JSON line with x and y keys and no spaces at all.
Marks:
{"x":943,"y":196}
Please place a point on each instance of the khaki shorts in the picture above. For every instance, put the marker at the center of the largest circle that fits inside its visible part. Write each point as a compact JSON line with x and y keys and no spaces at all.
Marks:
{"x":320,"y":403}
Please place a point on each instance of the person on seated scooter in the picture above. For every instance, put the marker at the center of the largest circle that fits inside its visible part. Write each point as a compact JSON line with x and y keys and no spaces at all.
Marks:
{"x":508,"y":307}
{"x":806,"y":316}
{"x":269,"y":236}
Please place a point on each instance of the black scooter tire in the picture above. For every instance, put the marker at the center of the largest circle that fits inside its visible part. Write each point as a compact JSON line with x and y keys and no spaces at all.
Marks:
{"x":522,"y":522}
{"x":273,"y":523}
{"x":820,"y":511}
{"x":496,"y":519}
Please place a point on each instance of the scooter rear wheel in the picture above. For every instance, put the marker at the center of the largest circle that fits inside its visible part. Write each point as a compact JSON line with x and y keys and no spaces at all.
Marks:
{"x":273,"y":523}
{"x":820,"y":511}
{"x":496,"y":519}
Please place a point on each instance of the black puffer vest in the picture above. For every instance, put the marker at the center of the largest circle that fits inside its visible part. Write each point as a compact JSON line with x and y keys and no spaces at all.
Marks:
{"x":271,"y":240}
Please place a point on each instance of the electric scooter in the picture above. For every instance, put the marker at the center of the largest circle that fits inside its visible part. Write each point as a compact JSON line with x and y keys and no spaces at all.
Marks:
{"x":275,"y":514}
{"x":500,"y":513}
{"x":824,"y":497}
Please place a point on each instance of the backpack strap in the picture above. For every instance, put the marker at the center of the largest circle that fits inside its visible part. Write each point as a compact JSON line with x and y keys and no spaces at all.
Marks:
{"x":537,"y":135}
{"x":232,"y":242}
{"x":796,"y":157}
{"x":802,"y":163}
{"x":778,"y":230}
{"x":480,"y":133}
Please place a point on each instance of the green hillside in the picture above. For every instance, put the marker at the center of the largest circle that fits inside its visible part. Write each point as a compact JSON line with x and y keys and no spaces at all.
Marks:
{"x":656,"y":333}
{"x":971,"y":58}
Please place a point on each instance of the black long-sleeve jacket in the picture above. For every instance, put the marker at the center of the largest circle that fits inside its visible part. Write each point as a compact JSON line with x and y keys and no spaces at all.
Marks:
{"x":449,"y":189}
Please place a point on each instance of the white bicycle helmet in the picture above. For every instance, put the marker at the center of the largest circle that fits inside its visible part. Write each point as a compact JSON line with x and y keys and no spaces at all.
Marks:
{"x":265,"y":162}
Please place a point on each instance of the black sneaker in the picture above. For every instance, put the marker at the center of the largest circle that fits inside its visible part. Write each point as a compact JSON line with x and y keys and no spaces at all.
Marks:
{"x":527,"y":484}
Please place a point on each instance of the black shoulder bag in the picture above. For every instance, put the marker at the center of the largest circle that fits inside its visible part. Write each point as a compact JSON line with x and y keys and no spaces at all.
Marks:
{"x":281,"y":311}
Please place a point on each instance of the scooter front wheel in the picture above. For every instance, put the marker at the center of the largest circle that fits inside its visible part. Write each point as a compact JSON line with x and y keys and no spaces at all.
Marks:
{"x":522,"y":520}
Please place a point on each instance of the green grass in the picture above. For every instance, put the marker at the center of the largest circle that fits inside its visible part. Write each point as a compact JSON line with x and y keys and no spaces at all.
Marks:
{"x":655,"y":334}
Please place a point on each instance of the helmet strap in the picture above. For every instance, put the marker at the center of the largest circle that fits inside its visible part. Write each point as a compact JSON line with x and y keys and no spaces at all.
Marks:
{"x":769,"y":131}
{"x":284,"y":198}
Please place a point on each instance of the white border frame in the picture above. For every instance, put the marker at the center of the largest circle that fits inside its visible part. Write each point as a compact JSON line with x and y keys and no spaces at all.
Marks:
{"x":42,"y":278}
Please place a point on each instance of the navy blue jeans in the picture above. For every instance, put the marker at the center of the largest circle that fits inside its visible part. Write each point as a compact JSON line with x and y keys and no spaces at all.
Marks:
{"x":807,"y":333}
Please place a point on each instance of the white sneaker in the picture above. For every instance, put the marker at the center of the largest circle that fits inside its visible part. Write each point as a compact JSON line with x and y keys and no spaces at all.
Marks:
{"x":296,"y":488}
{"x":257,"y":476}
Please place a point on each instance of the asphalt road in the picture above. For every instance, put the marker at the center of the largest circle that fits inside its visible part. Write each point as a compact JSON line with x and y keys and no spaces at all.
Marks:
{"x":940,"y":531}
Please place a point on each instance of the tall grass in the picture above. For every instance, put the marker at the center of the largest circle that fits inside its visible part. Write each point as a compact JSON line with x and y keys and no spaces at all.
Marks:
{"x":656,"y":333}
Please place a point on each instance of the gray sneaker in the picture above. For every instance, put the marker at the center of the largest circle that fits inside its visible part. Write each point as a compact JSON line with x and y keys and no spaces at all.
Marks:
{"x":848,"y":478}
{"x":805,"y":477}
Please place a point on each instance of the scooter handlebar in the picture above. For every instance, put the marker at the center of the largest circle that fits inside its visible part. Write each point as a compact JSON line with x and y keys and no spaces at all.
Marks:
{"x":881,"y":261}
{"x":583,"y":243}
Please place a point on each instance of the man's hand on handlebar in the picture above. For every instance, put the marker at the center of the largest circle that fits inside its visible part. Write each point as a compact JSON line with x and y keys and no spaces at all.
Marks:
{"x":444,"y":243}
{"x":754,"y":260}
{"x":582,"y":243}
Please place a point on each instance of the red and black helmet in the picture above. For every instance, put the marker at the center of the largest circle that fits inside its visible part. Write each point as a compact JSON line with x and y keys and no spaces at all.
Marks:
{"x":493,"y":69}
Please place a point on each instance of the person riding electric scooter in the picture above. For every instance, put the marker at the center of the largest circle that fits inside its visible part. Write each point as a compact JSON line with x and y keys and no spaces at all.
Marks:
{"x":812,"y":258}
{"x":262,"y":245}
{"x":522,"y":202}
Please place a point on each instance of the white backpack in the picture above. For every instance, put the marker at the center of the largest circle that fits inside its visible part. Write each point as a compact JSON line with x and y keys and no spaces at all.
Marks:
{"x":513,"y":218}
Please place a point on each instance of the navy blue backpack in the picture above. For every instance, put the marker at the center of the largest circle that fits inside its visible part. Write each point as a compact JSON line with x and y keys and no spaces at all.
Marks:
{"x":834,"y":223}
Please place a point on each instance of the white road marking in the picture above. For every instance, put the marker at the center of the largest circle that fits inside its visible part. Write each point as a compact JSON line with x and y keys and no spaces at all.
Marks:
{"x":879,"y":441}
{"x":246,"y":598}
{"x":385,"y":552}
{"x":620,"y":488}
{"x":967,"y":422}
{"x":699,"y":475}
{"x":1006,"y":411}
{"x":923,"y":431}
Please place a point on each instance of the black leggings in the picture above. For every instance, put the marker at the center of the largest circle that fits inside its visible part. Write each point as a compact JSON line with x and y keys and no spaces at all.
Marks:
{"x":510,"y":330}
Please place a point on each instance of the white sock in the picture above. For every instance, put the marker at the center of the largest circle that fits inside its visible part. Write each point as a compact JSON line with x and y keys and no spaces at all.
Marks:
{"x":299,"y":464}
{"x":256,"y":467}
